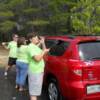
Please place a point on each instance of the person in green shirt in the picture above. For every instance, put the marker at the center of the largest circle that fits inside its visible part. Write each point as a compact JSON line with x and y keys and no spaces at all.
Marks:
{"x":36,"y":65}
{"x":12,"y":47}
{"x":21,"y":63}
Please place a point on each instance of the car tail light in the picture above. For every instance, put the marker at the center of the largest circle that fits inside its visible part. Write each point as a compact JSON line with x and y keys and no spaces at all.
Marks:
{"x":89,"y":75}
{"x":78,"y":72}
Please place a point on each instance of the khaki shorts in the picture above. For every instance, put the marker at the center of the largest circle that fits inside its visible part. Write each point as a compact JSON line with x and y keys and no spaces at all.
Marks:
{"x":35,"y":84}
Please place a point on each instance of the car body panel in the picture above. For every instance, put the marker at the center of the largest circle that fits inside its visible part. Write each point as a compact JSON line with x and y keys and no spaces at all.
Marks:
{"x":65,"y":67}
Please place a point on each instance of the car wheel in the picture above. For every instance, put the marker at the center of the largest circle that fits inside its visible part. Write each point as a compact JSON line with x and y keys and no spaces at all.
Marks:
{"x":53,"y":91}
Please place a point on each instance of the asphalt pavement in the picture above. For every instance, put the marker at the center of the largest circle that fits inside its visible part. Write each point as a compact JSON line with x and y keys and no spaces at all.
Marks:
{"x":8,"y":91}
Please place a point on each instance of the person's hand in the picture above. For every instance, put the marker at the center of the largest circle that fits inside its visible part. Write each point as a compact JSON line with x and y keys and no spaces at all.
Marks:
{"x":3,"y":43}
{"x":42,"y":40}
{"x":46,"y":51}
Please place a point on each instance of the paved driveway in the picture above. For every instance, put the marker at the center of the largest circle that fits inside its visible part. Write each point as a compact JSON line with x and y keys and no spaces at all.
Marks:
{"x":7,"y":90}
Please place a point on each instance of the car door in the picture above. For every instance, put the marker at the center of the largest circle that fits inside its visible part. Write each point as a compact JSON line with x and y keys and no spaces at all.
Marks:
{"x":55,"y":59}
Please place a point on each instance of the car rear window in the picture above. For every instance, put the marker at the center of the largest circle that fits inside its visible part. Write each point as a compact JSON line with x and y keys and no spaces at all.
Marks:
{"x":89,"y":50}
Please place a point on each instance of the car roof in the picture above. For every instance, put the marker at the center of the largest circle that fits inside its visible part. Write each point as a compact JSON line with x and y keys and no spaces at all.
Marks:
{"x":75,"y":38}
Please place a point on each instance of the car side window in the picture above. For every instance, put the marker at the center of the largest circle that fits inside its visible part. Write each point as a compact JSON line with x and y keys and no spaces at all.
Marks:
{"x":50,"y":43}
{"x":59,"y":48}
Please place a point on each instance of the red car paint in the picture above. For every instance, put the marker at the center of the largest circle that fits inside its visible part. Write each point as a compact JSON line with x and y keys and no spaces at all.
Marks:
{"x":73,"y":74}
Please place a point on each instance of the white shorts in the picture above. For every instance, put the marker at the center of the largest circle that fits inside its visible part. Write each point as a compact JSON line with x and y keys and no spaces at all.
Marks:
{"x":35,"y":84}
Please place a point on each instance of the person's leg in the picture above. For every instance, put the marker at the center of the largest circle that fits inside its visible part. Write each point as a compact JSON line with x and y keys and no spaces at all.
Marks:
{"x":8,"y":67}
{"x":35,"y":85}
{"x":6,"y":70}
{"x":33,"y":98}
{"x":17,"y":75}
{"x":31,"y":82}
{"x":23,"y":75}
{"x":11,"y":62}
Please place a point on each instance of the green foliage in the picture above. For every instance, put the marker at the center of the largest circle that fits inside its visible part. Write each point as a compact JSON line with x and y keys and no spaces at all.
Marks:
{"x":60,"y":18}
{"x":3,"y":7}
{"x":7,"y":26}
{"x":15,"y":3}
{"x":38,"y":22}
{"x":6,"y":14}
{"x":50,"y":16}
{"x":98,"y":10}
{"x":86,"y":16}
{"x":78,"y":24}
{"x":31,"y":10}
{"x":96,"y":29}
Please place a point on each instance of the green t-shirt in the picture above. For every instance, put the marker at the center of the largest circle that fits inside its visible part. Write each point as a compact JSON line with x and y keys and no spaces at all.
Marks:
{"x":34,"y":66}
{"x":13,"y":49}
{"x":22,"y":54}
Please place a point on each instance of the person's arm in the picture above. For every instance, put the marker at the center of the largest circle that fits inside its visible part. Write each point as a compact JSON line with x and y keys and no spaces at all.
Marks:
{"x":43,"y":43}
{"x":5,"y":45}
{"x":43,"y":46}
{"x":40,"y":57}
{"x":39,"y":44}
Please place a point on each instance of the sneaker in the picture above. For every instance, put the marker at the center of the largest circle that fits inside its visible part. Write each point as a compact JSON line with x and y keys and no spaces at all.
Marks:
{"x":16,"y":87}
{"x":21,"y":89}
{"x":5,"y":74}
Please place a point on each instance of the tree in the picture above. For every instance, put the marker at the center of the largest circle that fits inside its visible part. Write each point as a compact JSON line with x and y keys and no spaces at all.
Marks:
{"x":50,"y":16}
{"x":85,"y":16}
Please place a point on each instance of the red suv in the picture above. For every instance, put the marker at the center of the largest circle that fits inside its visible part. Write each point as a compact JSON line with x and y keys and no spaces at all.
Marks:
{"x":73,"y":68}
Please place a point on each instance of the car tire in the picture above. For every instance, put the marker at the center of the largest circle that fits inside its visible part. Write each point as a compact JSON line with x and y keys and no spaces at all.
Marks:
{"x":53,"y":91}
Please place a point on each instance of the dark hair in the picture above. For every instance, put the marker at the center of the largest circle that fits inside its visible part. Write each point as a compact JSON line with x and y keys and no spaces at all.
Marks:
{"x":21,"y":41}
{"x":31,"y":35}
{"x":13,"y":35}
